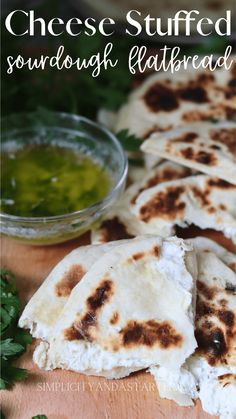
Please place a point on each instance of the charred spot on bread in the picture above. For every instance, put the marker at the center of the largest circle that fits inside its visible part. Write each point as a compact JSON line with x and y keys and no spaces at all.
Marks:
{"x":193,"y":116}
{"x":187,"y":137}
{"x":200,"y":156}
{"x":72,"y":333}
{"x":150,"y":333}
{"x":114,"y":229}
{"x":192,"y":93}
{"x":215,"y":147}
{"x":161,"y":98}
{"x":203,"y":309}
{"x":201,"y":195}
{"x":231,"y":288}
{"x":211,"y":344}
{"x":227,"y":317}
{"x":225,"y":136}
{"x":138,"y":256}
{"x":115,"y":318}
{"x":220,"y":183}
{"x":69,"y":280}
{"x":223,"y":302}
{"x":207,"y":292}
{"x":230,"y":112}
{"x":222,"y":207}
{"x":215,"y":324}
{"x":232,"y":83}
{"x":86,"y":323}
{"x":100,"y":296}
{"x":164,"y":205}
{"x":155,"y":251}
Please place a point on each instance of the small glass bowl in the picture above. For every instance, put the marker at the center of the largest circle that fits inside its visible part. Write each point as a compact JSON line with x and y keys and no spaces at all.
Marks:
{"x":91,"y":139}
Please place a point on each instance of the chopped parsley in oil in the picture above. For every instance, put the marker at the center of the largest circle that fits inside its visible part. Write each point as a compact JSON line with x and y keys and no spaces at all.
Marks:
{"x":48,"y":180}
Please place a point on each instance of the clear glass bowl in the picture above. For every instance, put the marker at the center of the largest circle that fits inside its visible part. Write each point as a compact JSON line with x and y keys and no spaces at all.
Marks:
{"x":91,"y":139}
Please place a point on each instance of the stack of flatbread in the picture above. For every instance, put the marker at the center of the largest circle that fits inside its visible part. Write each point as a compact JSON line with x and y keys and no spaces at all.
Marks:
{"x":139,"y":297}
{"x":165,"y":101}
{"x":210,"y":373}
{"x":171,"y":196}
{"x":132,"y":309}
{"x":168,"y":305}
{"x":189,"y":119}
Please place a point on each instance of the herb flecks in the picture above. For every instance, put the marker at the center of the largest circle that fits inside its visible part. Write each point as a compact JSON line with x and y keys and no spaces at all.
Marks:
{"x":13,"y":339}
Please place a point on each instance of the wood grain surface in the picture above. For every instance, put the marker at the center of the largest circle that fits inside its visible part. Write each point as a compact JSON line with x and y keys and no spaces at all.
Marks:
{"x":67,"y":395}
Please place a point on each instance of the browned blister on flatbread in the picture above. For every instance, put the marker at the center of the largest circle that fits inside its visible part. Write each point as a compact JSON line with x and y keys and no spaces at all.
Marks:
{"x":216,"y":305}
{"x":201,"y":200}
{"x":114,"y":229}
{"x":120,"y":223}
{"x":69,"y":280}
{"x":216,"y":324}
{"x":208,"y":147}
{"x":164,"y":101}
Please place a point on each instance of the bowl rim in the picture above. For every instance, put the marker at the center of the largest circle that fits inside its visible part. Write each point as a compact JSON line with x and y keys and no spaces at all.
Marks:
{"x":85,"y":211}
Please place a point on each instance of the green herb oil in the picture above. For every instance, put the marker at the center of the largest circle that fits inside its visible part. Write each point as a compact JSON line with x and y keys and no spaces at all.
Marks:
{"x":47,"y":180}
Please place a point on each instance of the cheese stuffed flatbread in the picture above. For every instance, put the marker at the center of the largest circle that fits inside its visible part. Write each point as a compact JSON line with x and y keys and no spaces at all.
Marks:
{"x":131,"y":310}
{"x":201,"y":200}
{"x":210,"y":373}
{"x":205,"y":146}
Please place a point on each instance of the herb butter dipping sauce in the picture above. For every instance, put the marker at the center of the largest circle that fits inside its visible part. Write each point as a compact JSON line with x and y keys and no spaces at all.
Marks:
{"x":49,"y":179}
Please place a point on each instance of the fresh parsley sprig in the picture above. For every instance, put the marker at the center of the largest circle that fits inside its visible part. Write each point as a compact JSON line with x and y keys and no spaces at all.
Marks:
{"x":13,"y":339}
{"x":129,"y":141}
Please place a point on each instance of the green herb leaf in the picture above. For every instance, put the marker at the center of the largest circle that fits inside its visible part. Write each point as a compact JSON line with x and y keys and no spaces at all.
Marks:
{"x":9,"y":348}
{"x":136,"y":162}
{"x":11,"y":374}
{"x":39,"y":417}
{"x":129,"y":141}
{"x":13,"y":339}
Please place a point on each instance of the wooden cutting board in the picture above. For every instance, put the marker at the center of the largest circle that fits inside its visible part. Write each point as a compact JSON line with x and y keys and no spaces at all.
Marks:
{"x":67,"y":395}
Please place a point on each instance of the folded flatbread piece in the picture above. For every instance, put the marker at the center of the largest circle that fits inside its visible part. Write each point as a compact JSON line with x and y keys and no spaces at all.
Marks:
{"x":163,"y":101}
{"x":120,"y":223}
{"x":41,"y":313}
{"x":205,"y":146}
{"x":209,"y":374}
{"x":201,"y":200}
{"x":133,"y":309}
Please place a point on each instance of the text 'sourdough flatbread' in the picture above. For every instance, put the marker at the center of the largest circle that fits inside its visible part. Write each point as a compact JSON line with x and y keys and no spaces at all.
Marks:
{"x":209,"y":374}
{"x":133,"y":309}
{"x":201,"y":200}
{"x":206,"y":146}
{"x":165,"y":101}
{"x":41,"y":313}
{"x":120,"y":223}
